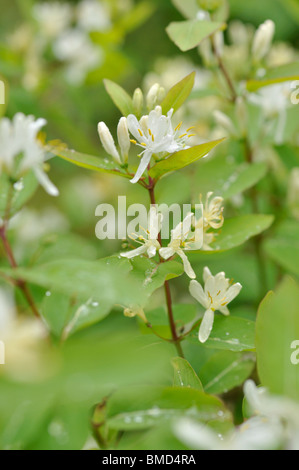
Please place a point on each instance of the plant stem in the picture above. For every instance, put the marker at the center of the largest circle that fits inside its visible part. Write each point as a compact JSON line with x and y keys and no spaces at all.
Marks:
{"x":225,"y":73}
{"x":19,"y":283}
{"x":175,"y":337}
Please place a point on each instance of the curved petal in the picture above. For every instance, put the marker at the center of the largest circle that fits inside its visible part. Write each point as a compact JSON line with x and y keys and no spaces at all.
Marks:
{"x":167,"y":252}
{"x":142,"y":167}
{"x":232,"y":292}
{"x":206,"y":326}
{"x":187,"y":266}
{"x":206,"y":274}
{"x":198,"y":293}
{"x":45,"y":182}
{"x":131,"y":254}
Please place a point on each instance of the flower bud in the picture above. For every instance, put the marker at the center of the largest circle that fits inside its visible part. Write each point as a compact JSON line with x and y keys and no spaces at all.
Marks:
{"x":219,"y":43}
{"x":262,"y":40}
{"x":138,"y":102}
{"x":152,"y":97}
{"x":123,"y":138}
{"x":108,"y":142}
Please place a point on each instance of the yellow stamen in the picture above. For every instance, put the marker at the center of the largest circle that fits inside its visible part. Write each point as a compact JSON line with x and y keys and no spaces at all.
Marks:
{"x":140,"y":132}
{"x":144,"y":144}
{"x":181,"y":136}
{"x":150,"y":132}
{"x":178,"y":126}
{"x":153,"y":138}
{"x":191,"y":135}
{"x":189,"y":129}
{"x":133,"y":141}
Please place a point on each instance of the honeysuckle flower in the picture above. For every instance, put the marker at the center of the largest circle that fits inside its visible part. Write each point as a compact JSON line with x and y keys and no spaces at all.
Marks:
{"x":123,"y":140}
{"x":216,"y":295}
{"x":213,"y":211}
{"x":20,"y":150}
{"x":156,"y":135}
{"x":75,"y":48}
{"x":149,"y":244}
{"x":274,"y":101}
{"x":135,"y":311}
{"x":138,"y":101}
{"x":93,"y":16}
{"x":53,"y":18}
{"x":262,"y":40}
{"x":180,"y":241}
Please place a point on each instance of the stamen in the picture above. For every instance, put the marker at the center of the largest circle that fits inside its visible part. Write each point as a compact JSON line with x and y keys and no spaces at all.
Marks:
{"x":178,"y":126}
{"x":189,"y":128}
{"x":140,"y":132}
{"x":191,"y":135}
{"x":181,"y":136}
{"x":153,"y":138}
{"x":143,"y":144}
{"x":150,"y":132}
{"x":133,"y":141}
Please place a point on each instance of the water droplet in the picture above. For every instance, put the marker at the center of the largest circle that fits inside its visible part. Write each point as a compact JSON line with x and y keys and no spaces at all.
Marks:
{"x":48,"y":294}
{"x":19,"y":185}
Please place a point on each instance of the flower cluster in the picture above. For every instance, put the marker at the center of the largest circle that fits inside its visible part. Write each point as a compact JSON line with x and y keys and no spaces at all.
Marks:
{"x":20,"y":150}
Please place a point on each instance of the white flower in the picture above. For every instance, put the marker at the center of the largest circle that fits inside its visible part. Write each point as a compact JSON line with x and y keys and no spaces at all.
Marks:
{"x":155,"y":135}
{"x":81,"y":56}
{"x":180,"y":241}
{"x":18,"y":138}
{"x":274,"y":101}
{"x":123,"y":140}
{"x":262,"y":40}
{"x":216,"y":295}
{"x":53,"y":18}
{"x":149,"y":245}
{"x":93,"y":16}
{"x":213,"y":211}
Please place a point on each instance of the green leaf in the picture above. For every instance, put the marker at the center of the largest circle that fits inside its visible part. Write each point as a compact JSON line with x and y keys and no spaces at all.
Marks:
{"x":255,"y":85}
{"x":143,"y":407}
{"x":189,"y":34}
{"x":90,"y":162}
{"x":285,"y":252}
{"x":227,"y":178}
{"x":239,"y":230}
{"x":178,"y":94}
{"x":28,"y":185}
{"x":182,"y":159}
{"x":120,"y":97}
{"x":277,"y":327}
{"x":225,"y":371}
{"x":158,"y":318}
{"x":284,"y":73}
{"x":184,"y":375}
{"x":230,"y":333}
{"x":188,"y":8}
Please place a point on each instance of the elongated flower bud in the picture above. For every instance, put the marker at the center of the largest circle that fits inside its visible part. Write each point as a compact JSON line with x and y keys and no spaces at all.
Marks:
{"x":138,"y":102}
{"x":262,"y":40}
{"x":123,"y":138}
{"x":152,"y":97}
{"x":108,"y":142}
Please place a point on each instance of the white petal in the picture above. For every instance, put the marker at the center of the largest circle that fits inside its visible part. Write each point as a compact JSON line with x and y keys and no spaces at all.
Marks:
{"x":167,"y":252}
{"x":206,"y":326}
{"x":143,"y":166}
{"x":187,"y":266}
{"x":206,"y":274}
{"x":198,"y":293}
{"x":232,"y":292}
{"x":131,"y":254}
{"x":45,"y":182}
{"x":224,"y":310}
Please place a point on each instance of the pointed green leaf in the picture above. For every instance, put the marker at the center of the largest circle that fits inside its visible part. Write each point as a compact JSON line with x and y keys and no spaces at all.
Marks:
{"x":225,"y":371}
{"x":189,"y":34}
{"x":285,"y":252}
{"x":276,"y":330}
{"x":178,"y":94}
{"x":184,"y":375}
{"x":120,"y":97}
{"x":182,"y":159}
{"x":187,"y":8}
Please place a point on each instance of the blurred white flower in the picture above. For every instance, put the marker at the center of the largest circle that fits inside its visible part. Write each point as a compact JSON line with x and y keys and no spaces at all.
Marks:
{"x":93,"y":15}
{"x":149,"y":244}
{"x":213,"y":211}
{"x":81,"y":56}
{"x":274,"y":101}
{"x":20,"y":150}
{"x":216,"y":295}
{"x":180,"y":241}
{"x":155,"y":135}
{"x":53,"y":18}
